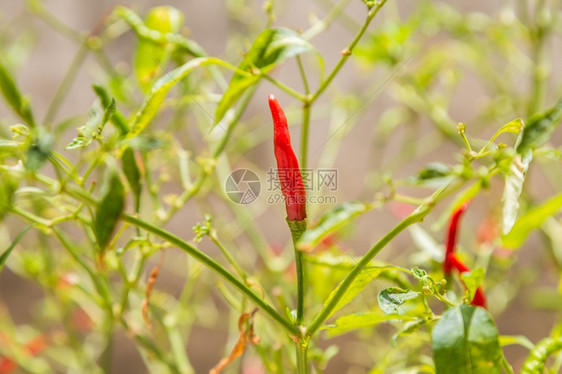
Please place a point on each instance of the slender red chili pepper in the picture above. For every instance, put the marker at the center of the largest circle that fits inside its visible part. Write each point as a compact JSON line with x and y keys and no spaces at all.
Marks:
{"x":288,"y":168}
{"x":479,"y":297}
{"x":452,"y":237}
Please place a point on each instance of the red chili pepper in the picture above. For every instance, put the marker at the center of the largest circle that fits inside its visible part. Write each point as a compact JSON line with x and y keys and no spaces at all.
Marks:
{"x":479,"y":297}
{"x":452,"y":237}
{"x":288,"y":168}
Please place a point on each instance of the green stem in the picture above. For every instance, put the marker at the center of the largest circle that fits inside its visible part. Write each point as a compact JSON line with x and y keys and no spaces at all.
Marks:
{"x":538,"y":35}
{"x":297,"y":229}
{"x":241,"y":273}
{"x":215,"y":266}
{"x":284,"y":87}
{"x":302,"y":357}
{"x":347,"y":52}
{"x":417,"y":216}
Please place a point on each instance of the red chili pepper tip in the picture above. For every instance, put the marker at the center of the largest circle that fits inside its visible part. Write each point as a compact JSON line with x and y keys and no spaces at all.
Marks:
{"x":290,"y":179}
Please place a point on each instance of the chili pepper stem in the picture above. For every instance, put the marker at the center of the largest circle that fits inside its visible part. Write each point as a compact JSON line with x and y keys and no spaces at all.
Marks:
{"x":297,"y":229}
{"x":302,"y":357}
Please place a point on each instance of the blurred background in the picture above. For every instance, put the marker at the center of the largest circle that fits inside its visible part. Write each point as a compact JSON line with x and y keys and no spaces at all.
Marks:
{"x":387,"y":132}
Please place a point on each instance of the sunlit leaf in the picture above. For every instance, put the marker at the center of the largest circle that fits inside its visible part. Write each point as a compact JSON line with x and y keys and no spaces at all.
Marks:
{"x":391,"y":298}
{"x":330,"y":222}
{"x":515,"y":127}
{"x":360,"y":321}
{"x":14,"y":98}
{"x":465,"y":341}
{"x":151,"y":57}
{"x":159,"y":90}
{"x":270,"y":48}
{"x":531,"y":220}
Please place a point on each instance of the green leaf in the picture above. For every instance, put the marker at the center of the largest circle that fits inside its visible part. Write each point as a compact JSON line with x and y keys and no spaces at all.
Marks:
{"x":515,"y":127}
{"x":539,"y":129}
{"x":512,"y":191}
{"x":8,"y":188}
{"x":6,"y":253}
{"x":358,"y":284}
{"x":13,"y":97}
{"x":117,"y":118}
{"x":432,"y":173}
{"x":39,"y":150}
{"x":151,"y":57}
{"x":465,"y":341}
{"x":472,"y":280}
{"x":109,"y":209}
{"x":93,"y":128}
{"x":391,"y":298}
{"x":330,"y":222}
{"x":535,"y":362}
{"x":132,"y":173}
{"x":531,"y":220}
{"x":360,"y":321}
{"x":159,"y":90}
{"x":270,"y":48}
{"x":516,"y":339}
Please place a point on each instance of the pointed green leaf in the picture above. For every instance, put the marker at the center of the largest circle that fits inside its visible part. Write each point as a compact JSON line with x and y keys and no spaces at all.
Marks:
{"x":539,"y":129}
{"x":117,"y":118}
{"x":330,"y":222}
{"x":109,"y":209}
{"x":14,"y":98}
{"x":270,"y":48}
{"x":6,"y":253}
{"x":132,"y":173}
{"x":151,"y":57}
{"x":391,"y":298}
{"x":515,"y":127}
{"x":159,"y":90}
{"x":531,"y":220}
{"x":358,"y":284}
{"x":465,"y":341}
{"x":93,"y":128}
{"x":360,"y":321}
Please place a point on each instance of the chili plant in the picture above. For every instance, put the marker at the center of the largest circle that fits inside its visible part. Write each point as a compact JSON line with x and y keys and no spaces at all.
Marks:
{"x":143,"y":222}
